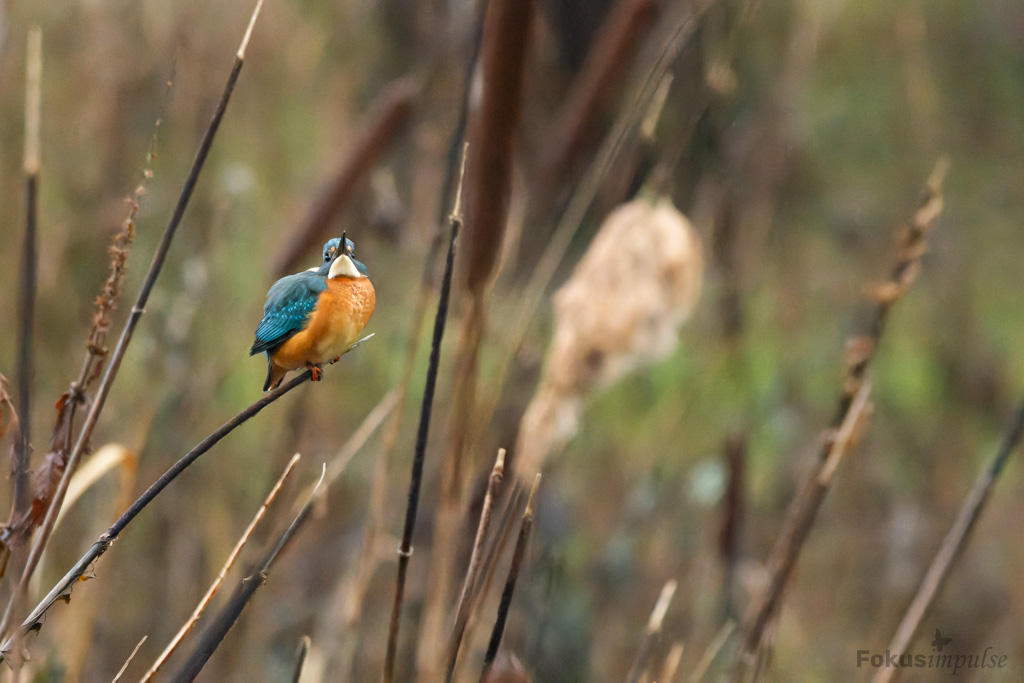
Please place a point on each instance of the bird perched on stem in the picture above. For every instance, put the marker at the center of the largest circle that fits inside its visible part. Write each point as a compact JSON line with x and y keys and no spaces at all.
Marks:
{"x":315,"y":316}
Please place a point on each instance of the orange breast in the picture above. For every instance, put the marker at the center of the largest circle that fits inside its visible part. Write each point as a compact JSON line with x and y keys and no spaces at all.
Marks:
{"x":341,"y":313}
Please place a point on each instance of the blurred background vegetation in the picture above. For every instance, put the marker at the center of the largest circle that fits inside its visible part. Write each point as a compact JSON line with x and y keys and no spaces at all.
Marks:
{"x":805,"y":130}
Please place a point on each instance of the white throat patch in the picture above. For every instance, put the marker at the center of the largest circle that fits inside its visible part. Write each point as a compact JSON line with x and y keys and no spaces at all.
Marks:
{"x":343,"y":267}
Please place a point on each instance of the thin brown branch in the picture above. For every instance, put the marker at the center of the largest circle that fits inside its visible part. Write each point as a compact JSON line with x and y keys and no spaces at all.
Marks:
{"x":475,"y":558}
{"x":952,"y":545}
{"x":860,"y":351}
{"x":652,"y":631}
{"x":128,"y":661}
{"x":419,"y":454}
{"x":388,"y":115}
{"x":214,"y":634}
{"x":63,"y":587}
{"x":217,"y":582}
{"x":510,"y":583}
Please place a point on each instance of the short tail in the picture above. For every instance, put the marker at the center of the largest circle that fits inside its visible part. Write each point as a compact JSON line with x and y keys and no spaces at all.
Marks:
{"x":274,"y":376}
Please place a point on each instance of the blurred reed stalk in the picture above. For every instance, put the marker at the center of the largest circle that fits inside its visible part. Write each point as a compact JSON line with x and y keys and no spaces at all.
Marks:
{"x":131,"y":657}
{"x":300,"y":658}
{"x":388,"y":116}
{"x":63,"y":587}
{"x":462,"y":607}
{"x":652,"y":632}
{"x":732,"y":518}
{"x":611,"y":52}
{"x":493,"y":128}
{"x":217,"y":582}
{"x":22,"y":453}
{"x":419,"y":453}
{"x":138,"y":309}
{"x":214,"y":634}
{"x":852,"y":407}
{"x":952,"y":545}
{"x":510,"y":583}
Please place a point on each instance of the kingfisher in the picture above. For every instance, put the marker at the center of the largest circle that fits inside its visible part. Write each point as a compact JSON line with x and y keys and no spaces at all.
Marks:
{"x":315,"y":316}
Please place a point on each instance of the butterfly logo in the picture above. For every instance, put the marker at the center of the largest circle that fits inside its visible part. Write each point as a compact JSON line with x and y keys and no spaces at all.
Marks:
{"x":940,"y":641}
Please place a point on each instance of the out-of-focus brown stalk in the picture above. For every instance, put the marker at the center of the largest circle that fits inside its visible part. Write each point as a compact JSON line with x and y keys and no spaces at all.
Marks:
{"x":214,"y":634}
{"x":860,"y":351}
{"x":22,"y":452}
{"x":475,"y":558}
{"x":652,"y":632}
{"x":423,"y":432}
{"x":732,"y":517}
{"x":388,"y":115}
{"x":510,"y":583}
{"x":219,"y":580}
{"x":607,"y":62}
{"x":492,"y":132}
{"x":300,"y":658}
{"x":952,"y":545}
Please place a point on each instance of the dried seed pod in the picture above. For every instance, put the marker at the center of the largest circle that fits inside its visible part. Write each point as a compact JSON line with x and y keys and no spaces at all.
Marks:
{"x":639,"y":281}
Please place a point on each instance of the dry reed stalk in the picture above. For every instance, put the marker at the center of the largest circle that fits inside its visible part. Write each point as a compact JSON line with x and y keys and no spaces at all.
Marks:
{"x":62,"y":589}
{"x":492,"y":131}
{"x":128,"y":661}
{"x":369,"y":557}
{"x":606,"y":64}
{"x":138,"y":309}
{"x":387,"y":117}
{"x":475,"y":558}
{"x":226,"y":618}
{"x":217,"y":582}
{"x":22,"y":451}
{"x":671,"y":665}
{"x":860,"y":351}
{"x":700,"y":671}
{"x":652,"y":632}
{"x":419,"y":454}
{"x":510,"y":583}
{"x":732,"y":517}
{"x":952,"y":545}
{"x":300,"y":658}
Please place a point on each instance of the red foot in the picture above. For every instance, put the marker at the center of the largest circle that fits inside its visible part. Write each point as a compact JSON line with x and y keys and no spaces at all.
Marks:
{"x":317,"y":371}
{"x":334,"y":360}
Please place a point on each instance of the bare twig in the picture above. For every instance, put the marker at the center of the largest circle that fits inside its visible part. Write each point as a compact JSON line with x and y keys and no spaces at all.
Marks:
{"x":129,"y":328}
{"x":860,"y":351}
{"x":222,"y":623}
{"x":952,"y":545}
{"x":419,"y":454}
{"x":217,"y":582}
{"x":300,"y":658}
{"x":388,"y":114}
{"x":709,"y":654}
{"x":652,"y":632}
{"x":475,"y":558}
{"x":100,"y":546}
{"x":129,"y":660}
{"x":510,"y":582}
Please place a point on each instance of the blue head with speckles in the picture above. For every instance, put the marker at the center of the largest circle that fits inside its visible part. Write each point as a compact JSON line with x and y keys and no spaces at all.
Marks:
{"x":331,"y":252}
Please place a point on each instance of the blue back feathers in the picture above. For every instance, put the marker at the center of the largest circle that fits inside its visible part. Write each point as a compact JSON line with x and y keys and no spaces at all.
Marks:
{"x":289,"y":304}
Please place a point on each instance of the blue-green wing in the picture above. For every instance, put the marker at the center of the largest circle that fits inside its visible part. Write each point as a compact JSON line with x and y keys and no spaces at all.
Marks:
{"x":289,"y":303}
